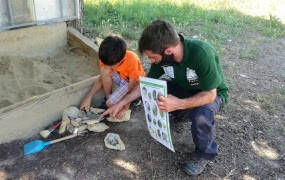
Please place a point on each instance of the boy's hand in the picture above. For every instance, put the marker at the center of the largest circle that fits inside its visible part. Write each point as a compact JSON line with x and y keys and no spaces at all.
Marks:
{"x":113,"y":110}
{"x":85,"y":104}
{"x":122,"y":112}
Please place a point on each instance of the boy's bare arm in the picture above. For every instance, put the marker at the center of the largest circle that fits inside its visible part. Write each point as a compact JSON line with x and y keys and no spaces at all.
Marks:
{"x":132,"y":83}
{"x":87,"y":100}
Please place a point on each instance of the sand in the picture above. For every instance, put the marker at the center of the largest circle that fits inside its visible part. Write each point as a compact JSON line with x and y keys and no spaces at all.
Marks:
{"x":24,"y":77}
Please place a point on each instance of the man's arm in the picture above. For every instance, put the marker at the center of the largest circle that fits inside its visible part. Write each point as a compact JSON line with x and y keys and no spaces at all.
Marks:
{"x":115,"y":109}
{"x":172,"y":103}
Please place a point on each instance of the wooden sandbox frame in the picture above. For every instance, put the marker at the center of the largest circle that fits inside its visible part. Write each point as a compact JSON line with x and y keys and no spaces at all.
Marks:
{"x":25,"y":119}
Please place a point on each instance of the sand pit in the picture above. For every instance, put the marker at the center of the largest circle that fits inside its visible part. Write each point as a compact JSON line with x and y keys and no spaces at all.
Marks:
{"x":25,"y":77}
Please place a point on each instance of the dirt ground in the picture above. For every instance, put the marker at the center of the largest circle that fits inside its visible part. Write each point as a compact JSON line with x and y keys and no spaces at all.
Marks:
{"x":250,"y":132}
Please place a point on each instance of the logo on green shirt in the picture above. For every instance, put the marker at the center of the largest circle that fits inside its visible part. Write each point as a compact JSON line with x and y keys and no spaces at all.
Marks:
{"x":192,"y":77}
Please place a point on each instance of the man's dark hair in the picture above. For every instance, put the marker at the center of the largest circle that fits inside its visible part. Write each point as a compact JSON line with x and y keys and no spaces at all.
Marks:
{"x":158,"y":36}
{"x":112,"y":50}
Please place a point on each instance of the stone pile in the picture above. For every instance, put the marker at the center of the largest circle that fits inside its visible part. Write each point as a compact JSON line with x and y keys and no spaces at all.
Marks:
{"x":79,"y":122}
{"x":73,"y":118}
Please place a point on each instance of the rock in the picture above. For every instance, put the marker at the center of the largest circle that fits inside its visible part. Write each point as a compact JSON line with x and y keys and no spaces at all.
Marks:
{"x":113,"y":141}
{"x":91,"y":121}
{"x":98,"y":127}
{"x":70,"y":128}
{"x":86,"y":118}
{"x":45,"y":133}
{"x":126,"y":117}
{"x":88,"y":113}
{"x":82,"y":114}
{"x":71,"y":112}
{"x":75,"y":123}
{"x":94,"y":116}
{"x":82,"y":128}
{"x":82,"y":133}
{"x":244,"y":76}
{"x":96,"y":110}
{"x":65,"y":121}
{"x":78,"y":119}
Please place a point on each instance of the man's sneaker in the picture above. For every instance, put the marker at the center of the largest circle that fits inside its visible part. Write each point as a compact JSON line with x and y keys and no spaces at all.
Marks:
{"x":195,"y":166}
{"x":137,"y":102}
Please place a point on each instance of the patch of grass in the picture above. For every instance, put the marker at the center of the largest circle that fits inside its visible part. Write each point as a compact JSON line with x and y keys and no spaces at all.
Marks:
{"x":268,"y":105}
{"x":249,"y":54}
{"x":282,"y":90}
{"x":281,"y":96}
{"x":273,"y":27}
{"x":128,"y":32}
{"x":265,"y":102}
{"x":216,"y":21}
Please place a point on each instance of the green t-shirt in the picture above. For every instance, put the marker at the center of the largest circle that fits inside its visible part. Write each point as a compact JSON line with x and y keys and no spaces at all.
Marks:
{"x":200,"y":69}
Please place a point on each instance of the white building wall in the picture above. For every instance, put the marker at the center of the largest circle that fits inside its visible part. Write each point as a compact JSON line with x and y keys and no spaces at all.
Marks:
{"x":21,"y":12}
{"x":3,"y":13}
{"x":46,"y":10}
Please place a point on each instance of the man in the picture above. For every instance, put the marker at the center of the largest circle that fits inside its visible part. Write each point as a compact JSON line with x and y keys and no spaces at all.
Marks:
{"x":197,"y":85}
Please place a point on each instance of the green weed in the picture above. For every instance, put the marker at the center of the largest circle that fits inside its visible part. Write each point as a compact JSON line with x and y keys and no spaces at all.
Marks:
{"x":249,"y":54}
{"x":216,"y":21}
{"x":265,"y":102}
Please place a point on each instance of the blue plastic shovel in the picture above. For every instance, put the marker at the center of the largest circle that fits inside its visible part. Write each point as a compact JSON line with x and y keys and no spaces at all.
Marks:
{"x":38,"y":145}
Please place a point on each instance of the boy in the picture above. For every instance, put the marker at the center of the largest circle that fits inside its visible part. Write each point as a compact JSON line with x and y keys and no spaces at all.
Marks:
{"x":119,"y":66}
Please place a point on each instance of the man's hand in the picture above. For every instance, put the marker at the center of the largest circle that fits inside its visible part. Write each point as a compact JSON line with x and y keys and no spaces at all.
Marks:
{"x":85,"y":104}
{"x":169,"y":104}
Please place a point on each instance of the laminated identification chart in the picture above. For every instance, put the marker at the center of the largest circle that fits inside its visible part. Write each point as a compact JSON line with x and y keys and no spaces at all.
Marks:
{"x":157,"y":122}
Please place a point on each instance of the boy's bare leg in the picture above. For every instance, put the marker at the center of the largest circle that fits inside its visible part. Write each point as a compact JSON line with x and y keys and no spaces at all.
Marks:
{"x":106,"y":75}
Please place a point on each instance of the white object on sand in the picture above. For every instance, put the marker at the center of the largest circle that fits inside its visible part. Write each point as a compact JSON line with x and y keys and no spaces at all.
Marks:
{"x":96,"y":110}
{"x":98,"y":127}
{"x":113,"y":141}
{"x":91,"y":121}
{"x":72,"y":112}
{"x":65,"y":121}
{"x":45,"y":133}
{"x":126,"y":117}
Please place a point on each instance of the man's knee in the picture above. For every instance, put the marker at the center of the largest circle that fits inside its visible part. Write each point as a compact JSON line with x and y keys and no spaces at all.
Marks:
{"x":202,"y":118}
{"x":205,"y":113}
{"x":203,"y":129}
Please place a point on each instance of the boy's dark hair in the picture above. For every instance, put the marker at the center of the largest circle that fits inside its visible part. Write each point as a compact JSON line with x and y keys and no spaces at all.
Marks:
{"x":112,"y":50}
{"x":158,"y":36}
